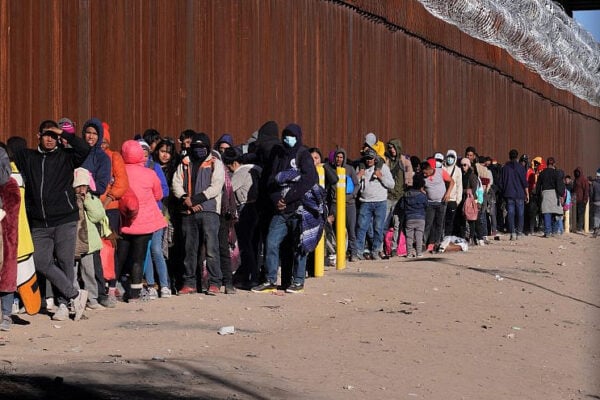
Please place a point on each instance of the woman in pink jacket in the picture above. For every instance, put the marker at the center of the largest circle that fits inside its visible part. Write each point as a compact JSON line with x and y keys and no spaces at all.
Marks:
{"x":137,"y":232}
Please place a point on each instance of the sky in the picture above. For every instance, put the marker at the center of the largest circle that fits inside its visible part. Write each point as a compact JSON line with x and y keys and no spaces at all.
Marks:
{"x":590,"y":20}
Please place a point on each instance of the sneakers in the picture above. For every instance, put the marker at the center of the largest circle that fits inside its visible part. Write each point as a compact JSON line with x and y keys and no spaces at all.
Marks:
{"x":375,"y":256}
{"x":187,"y":290}
{"x":109,"y":301}
{"x":412,"y":254}
{"x":50,"y":305}
{"x":79,"y":303}
{"x":295,"y":288}
{"x":61,"y":313}
{"x":230,"y":290}
{"x":95,"y":306}
{"x":213,"y":290}
{"x":266,"y":287}
{"x":152,"y":293}
{"x":430,"y":247}
{"x":6,"y":323}
{"x":165,"y":292}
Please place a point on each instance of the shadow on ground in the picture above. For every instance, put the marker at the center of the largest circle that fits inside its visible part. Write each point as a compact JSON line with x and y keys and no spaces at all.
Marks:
{"x":132,"y":380}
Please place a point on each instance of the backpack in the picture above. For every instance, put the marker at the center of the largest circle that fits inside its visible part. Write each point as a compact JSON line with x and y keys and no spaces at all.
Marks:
{"x":349,"y":184}
{"x":470,"y":208}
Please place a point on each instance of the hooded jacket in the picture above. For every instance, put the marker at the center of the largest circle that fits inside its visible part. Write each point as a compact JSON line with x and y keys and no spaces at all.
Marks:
{"x":288,"y":158}
{"x":49,"y":195}
{"x":225,"y":138}
{"x":146,"y":186}
{"x":401,"y":170}
{"x":455,"y":172}
{"x":97,"y":161}
{"x":119,"y":182}
{"x":350,"y":174}
{"x":581,"y":187}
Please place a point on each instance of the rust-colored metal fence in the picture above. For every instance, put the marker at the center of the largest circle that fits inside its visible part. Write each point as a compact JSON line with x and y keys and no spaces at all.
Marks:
{"x":338,"y":68}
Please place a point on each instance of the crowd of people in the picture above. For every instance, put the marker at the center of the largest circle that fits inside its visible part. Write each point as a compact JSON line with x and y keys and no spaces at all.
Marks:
{"x":157,"y":218}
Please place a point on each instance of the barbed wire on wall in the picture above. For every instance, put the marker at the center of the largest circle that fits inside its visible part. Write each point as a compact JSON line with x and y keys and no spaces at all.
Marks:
{"x":537,"y":33}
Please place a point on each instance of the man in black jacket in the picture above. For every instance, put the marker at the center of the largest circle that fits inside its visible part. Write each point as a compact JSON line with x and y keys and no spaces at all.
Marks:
{"x":52,"y":210}
{"x":290,"y":158}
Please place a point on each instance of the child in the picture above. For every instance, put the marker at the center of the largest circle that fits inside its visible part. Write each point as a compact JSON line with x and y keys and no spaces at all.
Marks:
{"x":96,"y":226}
{"x":413,"y":204}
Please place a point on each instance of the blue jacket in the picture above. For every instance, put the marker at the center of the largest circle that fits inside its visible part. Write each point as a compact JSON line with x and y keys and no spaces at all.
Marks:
{"x":97,"y":161}
{"x":414,"y":203}
{"x":512,"y":181}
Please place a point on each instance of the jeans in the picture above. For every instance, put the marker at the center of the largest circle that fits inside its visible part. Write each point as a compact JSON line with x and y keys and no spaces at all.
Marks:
{"x":56,"y":243}
{"x":201,"y":228}
{"x":518,"y":206}
{"x":370,"y":213}
{"x":282,"y":227}
{"x":156,"y":258}
{"x":435,"y":215}
{"x":7,"y":300}
{"x":550,"y":224}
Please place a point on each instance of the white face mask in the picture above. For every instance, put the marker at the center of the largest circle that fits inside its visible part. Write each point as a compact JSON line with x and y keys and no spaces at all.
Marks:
{"x":450,"y":160}
{"x":438,"y":164}
{"x":289,"y":141}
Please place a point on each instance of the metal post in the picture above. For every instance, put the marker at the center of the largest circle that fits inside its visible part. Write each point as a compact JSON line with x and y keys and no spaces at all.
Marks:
{"x":320,"y":249}
{"x":340,"y":219}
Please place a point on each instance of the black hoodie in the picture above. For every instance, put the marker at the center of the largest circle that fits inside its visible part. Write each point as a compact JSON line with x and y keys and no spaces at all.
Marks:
{"x":285,"y":158}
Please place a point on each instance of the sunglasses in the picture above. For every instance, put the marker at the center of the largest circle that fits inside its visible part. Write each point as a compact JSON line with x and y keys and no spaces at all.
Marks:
{"x":465,"y":165}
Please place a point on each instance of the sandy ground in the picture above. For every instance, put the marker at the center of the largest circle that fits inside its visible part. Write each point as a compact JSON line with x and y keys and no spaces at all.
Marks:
{"x":512,"y":320}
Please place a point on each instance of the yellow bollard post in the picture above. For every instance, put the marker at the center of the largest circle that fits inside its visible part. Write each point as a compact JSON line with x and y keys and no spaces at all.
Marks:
{"x":320,"y":249}
{"x":567,"y":221}
{"x":586,"y":221}
{"x":340,"y":219}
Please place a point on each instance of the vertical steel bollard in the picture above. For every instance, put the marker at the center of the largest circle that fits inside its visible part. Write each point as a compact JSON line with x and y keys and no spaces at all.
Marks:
{"x":586,"y":218}
{"x":340,"y":219}
{"x":320,"y":249}
{"x":567,"y":221}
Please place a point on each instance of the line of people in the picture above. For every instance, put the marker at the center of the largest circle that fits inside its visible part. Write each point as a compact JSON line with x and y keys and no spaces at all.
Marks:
{"x":150,"y":221}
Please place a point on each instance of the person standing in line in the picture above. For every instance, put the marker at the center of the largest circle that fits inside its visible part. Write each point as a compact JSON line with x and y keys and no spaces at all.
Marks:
{"x":581,"y":189}
{"x":450,"y":165}
{"x":414,"y":205}
{"x":198,"y":184}
{"x":374,"y":185}
{"x":550,"y":188}
{"x":514,"y":189}
{"x":136,"y":233}
{"x":117,"y":186}
{"x":10,"y":203}
{"x":52,"y":210}
{"x":293,"y":174}
{"x":595,"y":197}
{"x":244,"y":183}
{"x":438,"y":187}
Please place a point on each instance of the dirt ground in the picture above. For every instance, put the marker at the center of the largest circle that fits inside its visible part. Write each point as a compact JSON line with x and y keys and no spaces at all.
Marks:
{"x":512,"y":320}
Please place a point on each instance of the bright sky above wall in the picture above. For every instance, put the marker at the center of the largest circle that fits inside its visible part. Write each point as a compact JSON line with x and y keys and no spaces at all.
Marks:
{"x":590,"y":20}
